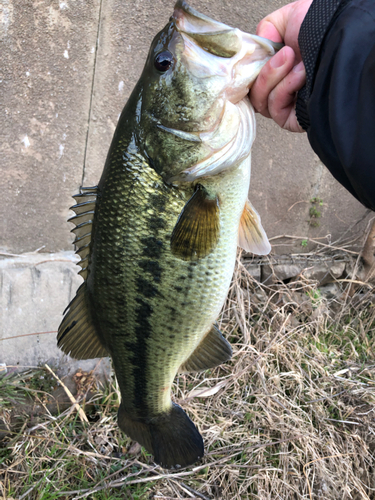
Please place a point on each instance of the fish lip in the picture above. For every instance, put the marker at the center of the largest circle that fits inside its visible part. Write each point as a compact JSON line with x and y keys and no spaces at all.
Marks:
{"x":273,"y":47}
{"x":192,"y":22}
{"x":215,"y":48}
{"x":181,"y":7}
{"x":206,"y":32}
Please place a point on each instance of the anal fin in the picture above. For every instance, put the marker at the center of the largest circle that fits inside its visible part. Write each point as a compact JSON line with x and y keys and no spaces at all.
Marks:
{"x":77,"y":335}
{"x":251,"y":235}
{"x":212,"y":351}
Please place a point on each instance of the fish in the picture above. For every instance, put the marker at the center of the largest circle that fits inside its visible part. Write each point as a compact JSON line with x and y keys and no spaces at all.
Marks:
{"x":158,"y":235}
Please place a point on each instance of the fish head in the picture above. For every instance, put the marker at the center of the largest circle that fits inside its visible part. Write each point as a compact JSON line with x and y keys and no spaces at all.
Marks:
{"x":192,"y":92}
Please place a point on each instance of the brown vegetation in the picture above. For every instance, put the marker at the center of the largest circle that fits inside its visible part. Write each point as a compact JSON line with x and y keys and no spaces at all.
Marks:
{"x":291,"y":416}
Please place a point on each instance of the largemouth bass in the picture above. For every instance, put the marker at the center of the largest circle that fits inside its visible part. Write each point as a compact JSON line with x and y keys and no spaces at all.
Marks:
{"x":158,"y":236}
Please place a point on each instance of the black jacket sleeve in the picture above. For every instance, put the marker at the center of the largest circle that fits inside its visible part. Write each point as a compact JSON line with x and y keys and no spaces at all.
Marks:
{"x":337,"y":105}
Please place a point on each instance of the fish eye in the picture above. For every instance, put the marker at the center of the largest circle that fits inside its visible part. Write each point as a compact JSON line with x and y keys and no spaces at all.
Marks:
{"x":163,"y":61}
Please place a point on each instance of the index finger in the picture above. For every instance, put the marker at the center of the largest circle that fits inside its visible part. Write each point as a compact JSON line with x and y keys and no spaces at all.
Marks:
{"x":272,"y":73}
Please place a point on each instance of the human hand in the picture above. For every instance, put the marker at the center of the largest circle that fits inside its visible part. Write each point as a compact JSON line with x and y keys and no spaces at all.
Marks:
{"x":274,"y":92}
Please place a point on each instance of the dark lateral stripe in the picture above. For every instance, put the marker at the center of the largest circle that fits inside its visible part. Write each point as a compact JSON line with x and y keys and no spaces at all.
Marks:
{"x":152,"y":267}
{"x":152,"y":247}
{"x":157,"y":223}
{"x":191,"y":270}
{"x":147,"y":286}
{"x":143,"y":332}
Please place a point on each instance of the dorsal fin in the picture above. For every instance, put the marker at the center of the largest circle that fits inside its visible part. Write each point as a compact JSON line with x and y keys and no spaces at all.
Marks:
{"x":77,"y":335}
{"x":251,"y":235}
{"x":213,"y":350}
{"x":84,"y":210}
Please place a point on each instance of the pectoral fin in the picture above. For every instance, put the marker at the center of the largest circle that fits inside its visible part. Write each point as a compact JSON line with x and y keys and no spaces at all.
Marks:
{"x":212,"y":351}
{"x":198,"y":227}
{"x":251,"y":235}
{"x":77,"y":335}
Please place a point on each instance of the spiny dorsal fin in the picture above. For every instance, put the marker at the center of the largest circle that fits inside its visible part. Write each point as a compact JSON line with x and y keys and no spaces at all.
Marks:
{"x":77,"y":335}
{"x":84,"y":210}
{"x":198,"y":227}
{"x":212,"y":351}
{"x":251,"y":235}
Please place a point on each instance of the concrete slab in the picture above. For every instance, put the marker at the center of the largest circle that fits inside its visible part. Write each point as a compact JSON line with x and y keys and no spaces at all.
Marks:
{"x":46,"y":59}
{"x":63,"y":88}
{"x":34,"y":291}
{"x":286,"y":173}
{"x":340,"y":213}
{"x":286,"y":177}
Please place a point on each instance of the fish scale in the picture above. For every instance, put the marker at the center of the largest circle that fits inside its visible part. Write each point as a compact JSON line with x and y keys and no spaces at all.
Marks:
{"x":146,"y":245}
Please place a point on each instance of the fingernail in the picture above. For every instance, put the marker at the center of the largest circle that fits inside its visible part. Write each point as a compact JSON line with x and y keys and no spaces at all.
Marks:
{"x":278,"y":60}
{"x":299,"y":67}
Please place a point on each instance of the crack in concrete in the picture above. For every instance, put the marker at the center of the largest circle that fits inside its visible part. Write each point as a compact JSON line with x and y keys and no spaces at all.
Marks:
{"x":92,"y":91}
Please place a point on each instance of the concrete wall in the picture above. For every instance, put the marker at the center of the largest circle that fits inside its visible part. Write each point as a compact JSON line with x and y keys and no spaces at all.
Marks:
{"x":67,"y":69}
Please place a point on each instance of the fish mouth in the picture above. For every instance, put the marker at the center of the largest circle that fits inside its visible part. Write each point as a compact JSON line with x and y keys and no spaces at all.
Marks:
{"x":214,"y":48}
{"x":215,"y":37}
{"x":233,"y":60}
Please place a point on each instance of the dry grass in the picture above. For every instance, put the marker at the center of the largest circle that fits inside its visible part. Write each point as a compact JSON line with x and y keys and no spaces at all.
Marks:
{"x":291,"y":416}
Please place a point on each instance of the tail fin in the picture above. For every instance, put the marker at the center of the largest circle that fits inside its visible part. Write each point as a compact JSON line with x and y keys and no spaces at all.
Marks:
{"x":171,"y":437}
